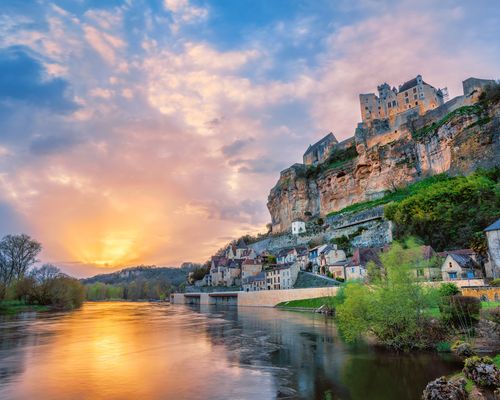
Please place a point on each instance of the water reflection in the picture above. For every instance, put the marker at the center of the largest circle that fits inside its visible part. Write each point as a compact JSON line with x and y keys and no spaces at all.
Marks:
{"x":157,"y":351}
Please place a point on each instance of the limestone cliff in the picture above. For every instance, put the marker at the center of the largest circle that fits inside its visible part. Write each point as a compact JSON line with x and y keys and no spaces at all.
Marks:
{"x":455,"y":138}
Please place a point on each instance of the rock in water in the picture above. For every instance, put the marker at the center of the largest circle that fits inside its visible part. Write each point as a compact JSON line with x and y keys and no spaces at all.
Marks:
{"x":444,"y":389}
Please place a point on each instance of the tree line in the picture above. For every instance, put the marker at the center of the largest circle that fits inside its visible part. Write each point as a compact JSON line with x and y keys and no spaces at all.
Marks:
{"x":21,"y":281}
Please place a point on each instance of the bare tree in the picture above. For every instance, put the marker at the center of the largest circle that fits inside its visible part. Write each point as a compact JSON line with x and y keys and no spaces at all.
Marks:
{"x":17,"y":254}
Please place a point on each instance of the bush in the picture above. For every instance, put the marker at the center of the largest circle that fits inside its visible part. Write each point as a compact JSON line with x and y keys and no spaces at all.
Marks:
{"x":448,"y":289}
{"x":492,"y":314}
{"x":495,"y":282}
{"x":339,"y":279}
{"x":392,"y":308}
{"x":482,"y":370}
{"x":460,"y":311}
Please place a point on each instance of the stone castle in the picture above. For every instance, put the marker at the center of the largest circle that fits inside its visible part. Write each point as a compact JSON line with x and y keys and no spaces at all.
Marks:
{"x":388,"y":149}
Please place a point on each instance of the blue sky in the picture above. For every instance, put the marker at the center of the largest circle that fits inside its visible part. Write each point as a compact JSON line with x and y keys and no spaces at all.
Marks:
{"x":151,"y":131}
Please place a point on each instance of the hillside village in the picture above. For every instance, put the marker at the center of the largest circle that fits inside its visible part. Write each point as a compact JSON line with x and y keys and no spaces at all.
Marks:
{"x":320,"y":228}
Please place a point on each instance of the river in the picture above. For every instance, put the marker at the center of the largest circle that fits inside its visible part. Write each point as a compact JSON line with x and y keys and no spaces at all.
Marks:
{"x":121,"y":350}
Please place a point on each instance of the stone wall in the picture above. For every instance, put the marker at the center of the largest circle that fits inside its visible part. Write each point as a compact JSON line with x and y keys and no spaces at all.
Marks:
{"x":270,"y":298}
{"x":492,"y":293}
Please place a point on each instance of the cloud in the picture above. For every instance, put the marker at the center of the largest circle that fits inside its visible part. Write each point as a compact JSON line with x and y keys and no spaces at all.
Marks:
{"x":23,"y":79}
{"x":236,"y":147}
{"x":184,"y":13}
{"x":52,"y":144}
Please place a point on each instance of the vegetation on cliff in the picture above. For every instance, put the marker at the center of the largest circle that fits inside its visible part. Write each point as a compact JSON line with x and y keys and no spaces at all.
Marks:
{"x":449,"y":212}
{"x":338,"y":158}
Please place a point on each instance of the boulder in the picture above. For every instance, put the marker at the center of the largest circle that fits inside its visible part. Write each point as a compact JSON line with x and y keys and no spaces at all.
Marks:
{"x":482,"y":371}
{"x":463,"y":349}
{"x":444,"y":389}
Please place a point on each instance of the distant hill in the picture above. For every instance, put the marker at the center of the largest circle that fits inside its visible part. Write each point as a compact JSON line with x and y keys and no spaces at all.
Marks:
{"x":174,"y":276}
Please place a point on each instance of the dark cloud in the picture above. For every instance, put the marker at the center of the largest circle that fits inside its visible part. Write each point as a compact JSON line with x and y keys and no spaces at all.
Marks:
{"x":236,"y":147}
{"x":52,"y":144}
{"x":23,"y":78}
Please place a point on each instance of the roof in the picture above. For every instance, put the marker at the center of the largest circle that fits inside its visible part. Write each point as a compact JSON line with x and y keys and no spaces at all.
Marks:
{"x":409,"y":84}
{"x":261,"y":276}
{"x":465,"y":252}
{"x":463,"y":260}
{"x":249,"y":261}
{"x":235,"y":264}
{"x":241,"y":245}
{"x":495,"y":226}
{"x":362,"y":256}
{"x":327,"y":139}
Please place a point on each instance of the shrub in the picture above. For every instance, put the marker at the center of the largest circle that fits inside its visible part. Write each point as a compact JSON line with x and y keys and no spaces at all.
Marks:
{"x":482,"y":370}
{"x":392,"y":308}
{"x":460,"y":311}
{"x":448,"y":289}
{"x":339,"y":279}
{"x":493,"y":314}
{"x":495,"y":282}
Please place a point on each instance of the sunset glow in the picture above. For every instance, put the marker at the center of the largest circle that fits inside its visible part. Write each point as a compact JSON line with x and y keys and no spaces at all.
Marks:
{"x":142,"y":132}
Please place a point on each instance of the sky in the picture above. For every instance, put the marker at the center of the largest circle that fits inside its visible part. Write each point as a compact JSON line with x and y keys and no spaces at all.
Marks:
{"x":150,"y":132}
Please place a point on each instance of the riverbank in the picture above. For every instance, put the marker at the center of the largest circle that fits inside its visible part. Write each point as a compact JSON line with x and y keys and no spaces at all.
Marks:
{"x":307,"y":304}
{"x":10,"y":307}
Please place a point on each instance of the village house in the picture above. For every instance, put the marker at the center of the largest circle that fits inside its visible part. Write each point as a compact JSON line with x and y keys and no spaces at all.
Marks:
{"x":330,"y":255}
{"x":250,"y":267}
{"x":337,"y":269}
{"x":460,"y":264}
{"x":493,"y":237}
{"x":314,"y":256}
{"x":287,"y":256}
{"x":427,"y":266}
{"x":254,"y":283}
{"x":356,"y":268}
{"x":281,"y":277}
{"x":298,"y":226}
{"x":302,"y":258}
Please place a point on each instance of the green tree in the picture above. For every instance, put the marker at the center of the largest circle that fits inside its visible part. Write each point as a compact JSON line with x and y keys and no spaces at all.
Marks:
{"x":392,"y":307}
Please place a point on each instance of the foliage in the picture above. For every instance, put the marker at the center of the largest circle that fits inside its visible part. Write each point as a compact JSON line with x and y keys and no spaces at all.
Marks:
{"x":475,"y":109}
{"x":491,"y":94}
{"x":391,"y":308}
{"x":393,"y":196}
{"x":495,"y":282}
{"x":314,"y":303}
{"x":482,"y":370}
{"x":448,"y":289}
{"x":48,"y":286}
{"x":199,"y":273}
{"x":17,"y":254}
{"x":338,"y":158}
{"x":449,"y":212}
{"x":339,"y":279}
{"x":460,"y":311}
{"x":137,"y":289}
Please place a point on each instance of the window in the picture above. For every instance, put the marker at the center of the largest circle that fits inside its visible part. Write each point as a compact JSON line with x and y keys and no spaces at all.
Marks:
{"x":406,"y":94}
{"x":420,"y":272}
{"x":352,"y":270}
{"x":366,"y":108}
{"x":415,"y":97}
{"x":389,"y":105}
{"x":407,"y":100}
{"x":416,"y":103}
{"x":449,"y":265}
{"x":414,"y":90}
{"x":394,"y":103}
{"x":452,"y":275}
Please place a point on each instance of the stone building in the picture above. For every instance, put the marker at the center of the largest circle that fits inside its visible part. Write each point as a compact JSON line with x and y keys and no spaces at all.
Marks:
{"x":414,"y":94}
{"x":493,"y":237}
{"x":459,"y":266}
{"x":319,"y":151}
{"x":298,"y":226}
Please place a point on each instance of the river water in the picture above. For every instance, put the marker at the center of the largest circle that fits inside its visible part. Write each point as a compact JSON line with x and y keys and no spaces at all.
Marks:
{"x":120,"y":350}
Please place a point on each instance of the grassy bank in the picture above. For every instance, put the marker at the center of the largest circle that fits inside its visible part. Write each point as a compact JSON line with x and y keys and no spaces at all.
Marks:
{"x":312,"y":304}
{"x":10,"y":307}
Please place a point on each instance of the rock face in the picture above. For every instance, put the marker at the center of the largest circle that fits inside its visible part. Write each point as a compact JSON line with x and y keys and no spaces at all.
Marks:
{"x":482,"y":371}
{"x":461,"y":140}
